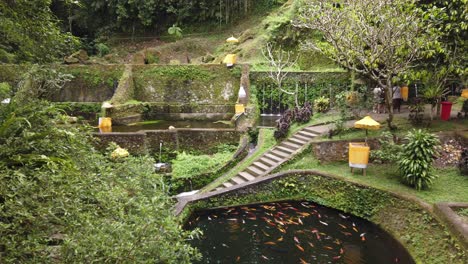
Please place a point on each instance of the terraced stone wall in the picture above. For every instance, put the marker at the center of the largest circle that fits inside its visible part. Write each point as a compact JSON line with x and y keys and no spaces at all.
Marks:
{"x":200,"y":140}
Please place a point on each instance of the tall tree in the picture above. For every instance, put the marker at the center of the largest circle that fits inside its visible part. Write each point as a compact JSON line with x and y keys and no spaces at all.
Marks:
{"x":30,"y":32}
{"x":380,"y":39}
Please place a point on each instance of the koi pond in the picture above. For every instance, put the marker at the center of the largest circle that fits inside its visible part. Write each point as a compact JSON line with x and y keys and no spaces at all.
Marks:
{"x":292,"y":232}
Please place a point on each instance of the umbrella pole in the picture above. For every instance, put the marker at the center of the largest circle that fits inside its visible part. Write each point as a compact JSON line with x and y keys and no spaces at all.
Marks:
{"x":366,"y":136}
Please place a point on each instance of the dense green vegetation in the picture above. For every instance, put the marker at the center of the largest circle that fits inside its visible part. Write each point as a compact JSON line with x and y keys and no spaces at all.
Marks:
{"x":62,"y":201}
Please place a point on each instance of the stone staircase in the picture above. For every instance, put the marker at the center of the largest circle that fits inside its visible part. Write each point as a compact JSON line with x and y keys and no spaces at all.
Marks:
{"x":273,"y":158}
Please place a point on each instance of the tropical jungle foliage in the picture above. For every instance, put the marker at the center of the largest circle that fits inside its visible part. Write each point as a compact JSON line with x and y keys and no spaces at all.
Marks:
{"x":62,"y":201}
{"x":415,"y":161}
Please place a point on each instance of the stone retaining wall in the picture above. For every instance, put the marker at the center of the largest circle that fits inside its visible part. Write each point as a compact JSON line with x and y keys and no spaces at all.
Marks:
{"x":148,"y":141}
{"x":337,"y":150}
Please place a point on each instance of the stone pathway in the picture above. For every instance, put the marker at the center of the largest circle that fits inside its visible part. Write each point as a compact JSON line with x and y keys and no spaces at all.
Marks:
{"x":272,"y":159}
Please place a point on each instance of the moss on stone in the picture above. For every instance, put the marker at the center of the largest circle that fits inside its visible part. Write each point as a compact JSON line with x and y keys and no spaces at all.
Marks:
{"x":214,"y":84}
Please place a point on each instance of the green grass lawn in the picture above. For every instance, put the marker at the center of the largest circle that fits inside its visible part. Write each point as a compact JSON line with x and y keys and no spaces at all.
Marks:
{"x":403,"y":126}
{"x":450,"y":186}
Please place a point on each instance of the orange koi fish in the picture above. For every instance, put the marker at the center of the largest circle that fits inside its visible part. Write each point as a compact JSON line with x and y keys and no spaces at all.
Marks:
{"x":363,"y":236}
{"x":300,"y":248}
{"x":310,"y":244}
{"x":342,"y":226}
{"x":279,"y":239}
{"x":270,"y":243}
{"x":265,"y":233}
{"x":238,"y":258}
{"x":327,"y":247}
{"x":303,"y":261}
{"x":337,"y":257}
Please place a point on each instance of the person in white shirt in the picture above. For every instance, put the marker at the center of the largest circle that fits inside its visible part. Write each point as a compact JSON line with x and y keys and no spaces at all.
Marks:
{"x":397,"y":99}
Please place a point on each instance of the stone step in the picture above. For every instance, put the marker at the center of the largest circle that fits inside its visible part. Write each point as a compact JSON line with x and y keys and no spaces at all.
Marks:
{"x":300,"y":137}
{"x":273,"y":157}
{"x":227,"y":185}
{"x":311,"y":130}
{"x":255,"y":171}
{"x":247,"y":176}
{"x":297,"y":141}
{"x":279,"y":154}
{"x":267,"y":161}
{"x":289,"y":144}
{"x":238,"y":180}
{"x":307,"y":134}
{"x":261,"y":165}
{"x":284,"y":149}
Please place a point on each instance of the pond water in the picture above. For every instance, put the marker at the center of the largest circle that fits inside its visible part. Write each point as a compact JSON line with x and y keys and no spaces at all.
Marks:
{"x":268,"y":120}
{"x":292,"y":232}
{"x":164,"y":124}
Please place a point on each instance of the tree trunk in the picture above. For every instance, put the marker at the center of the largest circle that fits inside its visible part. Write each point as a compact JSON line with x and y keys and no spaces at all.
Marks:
{"x":389,"y":103}
{"x":296,"y":95}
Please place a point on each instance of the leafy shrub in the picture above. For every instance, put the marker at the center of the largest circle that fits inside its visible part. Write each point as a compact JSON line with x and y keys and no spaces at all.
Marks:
{"x":389,"y":149}
{"x":463,"y":163}
{"x":322,"y":104}
{"x":416,"y":108}
{"x":175,"y":30}
{"x":415,"y":161}
{"x":283,"y":125}
{"x":303,"y":114}
{"x":102,"y":49}
{"x":5,"y":90}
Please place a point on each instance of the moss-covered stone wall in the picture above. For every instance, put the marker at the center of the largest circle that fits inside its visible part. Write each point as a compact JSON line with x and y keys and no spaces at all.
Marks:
{"x":91,"y":83}
{"x":199,"y":140}
{"x":408,"y":220}
{"x":185,"y":84}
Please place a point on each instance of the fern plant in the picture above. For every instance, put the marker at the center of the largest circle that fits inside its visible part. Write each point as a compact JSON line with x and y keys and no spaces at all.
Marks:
{"x":415,"y":161}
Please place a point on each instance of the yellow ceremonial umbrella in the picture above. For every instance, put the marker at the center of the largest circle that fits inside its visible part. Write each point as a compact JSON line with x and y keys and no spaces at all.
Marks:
{"x":464,"y":93}
{"x":367,"y":123}
{"x":232,"y":39}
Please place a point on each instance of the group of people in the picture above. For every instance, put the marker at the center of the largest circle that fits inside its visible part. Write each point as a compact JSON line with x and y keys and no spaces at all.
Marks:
{"x":379,"y":99}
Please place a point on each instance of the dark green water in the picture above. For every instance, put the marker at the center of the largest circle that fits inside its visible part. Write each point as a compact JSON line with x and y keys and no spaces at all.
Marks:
{"x":292,"y":232}
{"x":163,"y":124}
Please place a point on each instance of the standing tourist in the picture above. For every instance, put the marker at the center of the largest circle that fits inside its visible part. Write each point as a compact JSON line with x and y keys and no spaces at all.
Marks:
{"x":397,"y":98}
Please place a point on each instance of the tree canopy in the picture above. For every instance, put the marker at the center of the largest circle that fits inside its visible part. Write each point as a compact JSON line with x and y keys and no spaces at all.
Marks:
{"x":379,"y":39}
{"x":30,"y":32}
